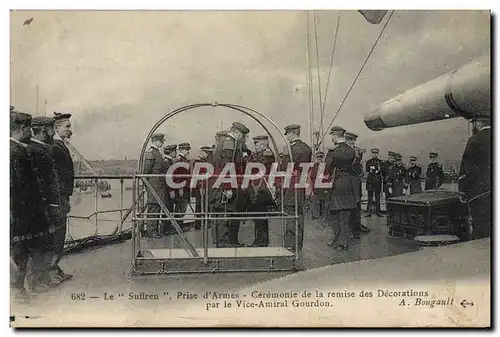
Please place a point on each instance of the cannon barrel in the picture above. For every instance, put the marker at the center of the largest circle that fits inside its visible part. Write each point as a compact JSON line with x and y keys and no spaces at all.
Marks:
{"x":464,"y":92}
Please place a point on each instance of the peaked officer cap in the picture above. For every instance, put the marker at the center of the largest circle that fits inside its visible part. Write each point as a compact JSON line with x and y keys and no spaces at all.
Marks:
{"x":20,"y":118}
{"x":413,"y":158}
{"x":291,"y":127}
{"x":61,"y":116}
{"x":433,"y":154}
{"x":263,"y":137}
{"x":241,"y":127}
{"x":375,"y":150}
{"x":170,"y":147}
{"x":185,"y":146}
{"x":158,"y":136}
{"x":337,"y":130}
{"x":42,"y":121}
{"x":350,"y":135}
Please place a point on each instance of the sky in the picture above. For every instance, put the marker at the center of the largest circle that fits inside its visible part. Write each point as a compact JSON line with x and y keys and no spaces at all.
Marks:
{"x":119,"y":72}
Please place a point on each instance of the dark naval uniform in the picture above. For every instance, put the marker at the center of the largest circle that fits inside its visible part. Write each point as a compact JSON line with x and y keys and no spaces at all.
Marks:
{"x":226,"y":199}
{"x":414,"y":178}
{"x":397,"y":178}
{"x":301,"y":153}
{"x":261,"y":198}
{"x":42,"y":161}
{"x":357,"y":174}
{"x":182,"y":195}
{"x":66,"y":174}
{"x":344,"y":194}
{"x":169,"y":193}
{"x":374,"y":179}
{"x":475,"y":181}
{"x":386,"y":169}
{"x":434,"y":176}
{"x":200,"y":190}
{"x":29,"y":223}
{"x":155,"y":164}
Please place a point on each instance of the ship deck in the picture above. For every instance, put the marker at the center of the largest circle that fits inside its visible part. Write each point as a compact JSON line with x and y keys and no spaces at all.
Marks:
{"x":106,"y":268}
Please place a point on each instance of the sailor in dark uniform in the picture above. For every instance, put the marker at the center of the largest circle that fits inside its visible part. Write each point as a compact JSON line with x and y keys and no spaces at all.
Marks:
{"x":260,"y":195}
{"x":475,"y":177}
{"x":374,"y":179}
{"x":434,"y":177}
{"x":170,"y":152}
{"x":201,"y":189}
{"x":414,"y":176}
{"x":154,"y":163}
{"x":40,"y":148}
{"x":357,"y":170}
{"x":66,"y":173}
{"x":344,"y":194}
{"x":301,"y":153}
{"x":182,"y":195}
{"x":319,"y":196}
{"x":29,"y":221}
{"x":386,"y":170}
{"x":397,"y":177}
{"x":227,"y":199}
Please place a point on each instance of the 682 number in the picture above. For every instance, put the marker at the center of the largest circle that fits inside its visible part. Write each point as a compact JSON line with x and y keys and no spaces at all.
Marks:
{"x":78,"y":296}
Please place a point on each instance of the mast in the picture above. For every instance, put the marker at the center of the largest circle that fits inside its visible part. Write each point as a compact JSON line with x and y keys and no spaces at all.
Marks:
{"x":309,"y":86}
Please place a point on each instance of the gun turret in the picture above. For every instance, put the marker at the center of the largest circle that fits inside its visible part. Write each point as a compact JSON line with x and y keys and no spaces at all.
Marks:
{"x":464,"y":92}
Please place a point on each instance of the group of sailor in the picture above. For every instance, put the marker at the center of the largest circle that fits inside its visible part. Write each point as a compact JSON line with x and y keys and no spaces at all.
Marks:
{"x":41,"y":183}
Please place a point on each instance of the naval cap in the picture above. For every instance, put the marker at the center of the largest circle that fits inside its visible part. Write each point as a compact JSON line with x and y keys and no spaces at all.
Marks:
{"x":241,"y":127}
{"x":320,"y":153}
{"x":391,"y":153}
{"x":337,"y":130}
{"x":433,"y":154}
{"x":61,"y":116}
{"x":184,"y":146}
{"x":207,"y":149}
{"x":221,"y":133}
{"x":263,"y":137}
{"x":375,"y":150}
{"x":42,"y":121}
{"x":158,"y":136}
{"x":20,"y":118}
{"x":291,"y":127}
{"x":398,"y":155}
{"x":413,"y":158}
{"x":170,"y":147}
{"x":350,"y":135}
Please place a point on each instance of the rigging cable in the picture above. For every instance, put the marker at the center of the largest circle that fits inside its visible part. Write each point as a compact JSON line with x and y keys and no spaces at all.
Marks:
{"x":309,"y":82}
{"x":330,"y":70}
{"x":318,"y":74}
{"x":357,"y":76}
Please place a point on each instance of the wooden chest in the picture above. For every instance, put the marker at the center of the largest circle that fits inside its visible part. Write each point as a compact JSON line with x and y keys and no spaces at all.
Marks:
{"x":427,"y":213}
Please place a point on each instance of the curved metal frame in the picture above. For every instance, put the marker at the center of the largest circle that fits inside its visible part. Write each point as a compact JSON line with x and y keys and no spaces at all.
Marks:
{"x":245,"y":110}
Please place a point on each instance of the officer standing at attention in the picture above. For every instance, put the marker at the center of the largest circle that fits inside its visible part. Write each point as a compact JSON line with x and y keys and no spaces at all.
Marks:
{"x":66,"y":174}
{"x":374,"y":179}
{"x":182,"y":195}
{"x":29,"y":223}
{"x":435,"y":175}
{"x":301,"y":153}
{"x":169,"y":152}
{"x":318,"y":199}
{"x":154,"y":163}
{"x":357,"y":170}
{"x":225,"y":198}
{"x":386,"y":172}
{"x":414,"y":176}
{"x":40,"y":148}
{"x":200,"y":190}
{"x":344,"y":195}
{"x":475,"y":176}
{"x":260,"y":195}
{"x":397,"y":177}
